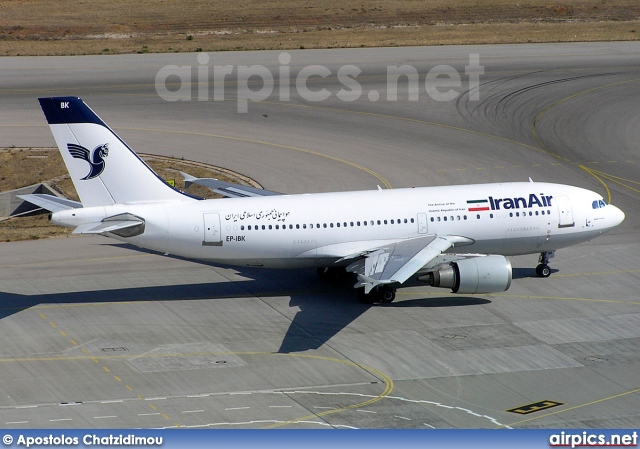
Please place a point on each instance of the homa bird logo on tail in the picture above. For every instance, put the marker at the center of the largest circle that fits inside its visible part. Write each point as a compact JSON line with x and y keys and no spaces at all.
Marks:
{"x":98,"y":155}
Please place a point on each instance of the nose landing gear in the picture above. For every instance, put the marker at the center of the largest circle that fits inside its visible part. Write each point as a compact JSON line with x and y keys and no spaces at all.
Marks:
{"x":543,"y":270}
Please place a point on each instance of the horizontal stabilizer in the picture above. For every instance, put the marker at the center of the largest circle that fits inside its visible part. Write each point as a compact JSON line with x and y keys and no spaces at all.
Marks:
{"x":50,"y":202}
{"x":123,"y":225}
{"x":102,"y":228}
{"x":227,"y":189}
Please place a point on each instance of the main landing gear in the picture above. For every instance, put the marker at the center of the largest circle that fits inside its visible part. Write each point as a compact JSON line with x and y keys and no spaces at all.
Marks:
{"x":543,"y":270}
{"x":382,"y":293}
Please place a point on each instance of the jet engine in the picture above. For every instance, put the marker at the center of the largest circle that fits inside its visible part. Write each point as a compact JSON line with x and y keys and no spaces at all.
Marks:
{"x":482,"y":274}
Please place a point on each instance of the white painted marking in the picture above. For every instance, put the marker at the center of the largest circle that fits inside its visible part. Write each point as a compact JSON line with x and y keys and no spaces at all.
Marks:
{"x":237,"y":408}
{"x":494,"y":421}
{"x":263,"y":422}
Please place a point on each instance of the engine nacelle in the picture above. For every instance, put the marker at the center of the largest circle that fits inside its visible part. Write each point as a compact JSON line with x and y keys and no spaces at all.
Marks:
{"x":482,"y":274}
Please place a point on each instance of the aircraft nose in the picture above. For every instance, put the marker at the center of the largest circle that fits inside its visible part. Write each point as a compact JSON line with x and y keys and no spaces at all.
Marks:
{"x":617,"y":216}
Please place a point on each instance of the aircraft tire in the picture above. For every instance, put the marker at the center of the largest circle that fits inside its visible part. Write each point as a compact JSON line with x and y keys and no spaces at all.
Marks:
{"x":543,"y":271}
{"x":386,"y":294}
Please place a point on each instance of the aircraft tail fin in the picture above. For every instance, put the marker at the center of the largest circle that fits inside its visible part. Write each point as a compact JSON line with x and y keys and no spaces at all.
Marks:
{"x":103,"y":168}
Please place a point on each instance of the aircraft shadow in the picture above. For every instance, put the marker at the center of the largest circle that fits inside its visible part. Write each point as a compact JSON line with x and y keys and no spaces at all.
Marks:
{"x":326,"y":306}
{"x":523,"y":273}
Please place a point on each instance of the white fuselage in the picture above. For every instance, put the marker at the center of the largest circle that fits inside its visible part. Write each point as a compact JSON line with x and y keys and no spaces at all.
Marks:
{"x":320,"y":229}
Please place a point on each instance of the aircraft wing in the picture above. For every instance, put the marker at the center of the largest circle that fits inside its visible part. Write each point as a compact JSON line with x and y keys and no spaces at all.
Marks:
{"x":398,"y":261}
{"x":227,"y":189}
{"x":50,"y":202}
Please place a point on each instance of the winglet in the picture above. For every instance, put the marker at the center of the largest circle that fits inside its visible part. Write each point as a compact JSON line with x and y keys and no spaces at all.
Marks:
{"x":188,"y":179}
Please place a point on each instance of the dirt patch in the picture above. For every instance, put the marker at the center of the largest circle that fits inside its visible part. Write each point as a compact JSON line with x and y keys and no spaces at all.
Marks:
{"x":20,"y":167}
{"x":38,"y":27}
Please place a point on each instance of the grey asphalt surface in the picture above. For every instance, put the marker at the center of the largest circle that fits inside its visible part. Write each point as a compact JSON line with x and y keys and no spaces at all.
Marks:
{"x":99,"y":334}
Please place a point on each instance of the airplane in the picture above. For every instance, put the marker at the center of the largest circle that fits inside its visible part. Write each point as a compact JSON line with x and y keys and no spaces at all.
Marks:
{"x":455,"y":237}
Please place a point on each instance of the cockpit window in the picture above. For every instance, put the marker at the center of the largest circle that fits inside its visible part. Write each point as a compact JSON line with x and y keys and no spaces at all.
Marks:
{"x":597,"y":204}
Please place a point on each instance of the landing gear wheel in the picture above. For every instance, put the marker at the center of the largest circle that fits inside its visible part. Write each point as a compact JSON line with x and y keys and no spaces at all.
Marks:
{"x":383,"y":294}
{"x":543,"y":271}
{"x":386,"y":294}
{"x":366,"y":298}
